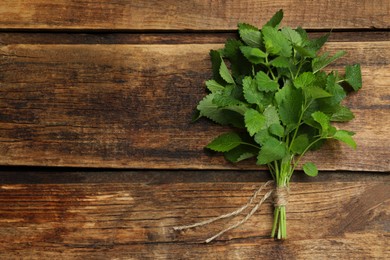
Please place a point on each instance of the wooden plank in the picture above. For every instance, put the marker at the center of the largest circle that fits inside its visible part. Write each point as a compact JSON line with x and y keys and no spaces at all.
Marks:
{"x":190,"y":15}
{"x":7,"y":38}
{"x":133,"y":217}
{"x":129,"y":106}
{"x":58,"y":175}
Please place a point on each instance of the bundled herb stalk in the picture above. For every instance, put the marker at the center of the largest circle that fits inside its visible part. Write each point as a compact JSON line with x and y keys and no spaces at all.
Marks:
{"x":278,"y":98}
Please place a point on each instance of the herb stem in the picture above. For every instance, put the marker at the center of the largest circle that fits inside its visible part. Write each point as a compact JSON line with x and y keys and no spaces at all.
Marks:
{"x":249,"y":144}
{"x":301,"y":62}
{"x":269,"y":68}
{"x":296,"y":130}
{"x":299,"y":124}
{"x":271,"y":170}
{"x":303,"y":153}
{"x":276,"y":217}
{"x":276,"y":172}
{"x":291,"y":74}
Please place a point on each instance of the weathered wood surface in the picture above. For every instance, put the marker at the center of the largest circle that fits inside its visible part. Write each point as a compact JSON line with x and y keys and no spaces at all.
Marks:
{"x":113,"y":84}
{"x":130,"y":215}
{"x":190,"y":15}
{"x":129,"y":106}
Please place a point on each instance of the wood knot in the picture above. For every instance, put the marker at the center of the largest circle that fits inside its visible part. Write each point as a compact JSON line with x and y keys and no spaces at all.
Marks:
{"x":281,"y":195}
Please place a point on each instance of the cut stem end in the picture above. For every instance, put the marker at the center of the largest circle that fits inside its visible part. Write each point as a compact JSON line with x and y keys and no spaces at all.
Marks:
{"x":279,"y":227}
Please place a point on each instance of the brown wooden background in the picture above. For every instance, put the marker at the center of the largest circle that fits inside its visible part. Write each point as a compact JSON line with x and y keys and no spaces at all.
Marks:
{"x":100,"y":160}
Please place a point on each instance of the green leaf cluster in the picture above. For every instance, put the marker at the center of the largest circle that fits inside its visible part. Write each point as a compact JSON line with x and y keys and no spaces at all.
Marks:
{"x":270,"y":85}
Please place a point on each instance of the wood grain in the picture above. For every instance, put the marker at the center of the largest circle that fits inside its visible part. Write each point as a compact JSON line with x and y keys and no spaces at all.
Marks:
{"x":190,"y":15}
{"x":129,"y":106}
{"x":133,"y":218}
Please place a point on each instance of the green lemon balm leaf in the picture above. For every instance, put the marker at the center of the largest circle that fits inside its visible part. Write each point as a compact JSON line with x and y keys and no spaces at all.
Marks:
{"x":310,"y":169}
{"x":293,"y":36}
{"x":303,"y":34}
{"x":254,"y":55}
{"x":281,"y":62}
{"x":271,"y":115}
{"x":254,"y":121}
{"x":250,"y":34}
{"x":342,"y":114}
{"x":214,"y":86}
{"x":275,"y":19}
{"x":272,"y":150}
{"x":251,"y":94}
{"x":345,"y":137}
{"x":304,"y":51}
{"x":276,"y":129}
{"x":324,"y":60}
{"x":225,"y":142}
{"x":238,"y":63}
{"x":317,"y":43}
{"x":275,"y":42}
{"x":262,"y":136}
{"x":226,"y":97}
{"x":265,"y":83}
{"x":300,"y":144}
{"x":240,"y":153}
{"x":289,"y":100}
{"x":225,"y":73}
{"x":353,"y":76}
{"x":231,"y":47}
{"x":323,"y":120}
{"x":304,"y":80}
{"x":215,"y":58}
{"x":207,"y":108}
{"x":314,"y":92}
{"x":337,"y":92}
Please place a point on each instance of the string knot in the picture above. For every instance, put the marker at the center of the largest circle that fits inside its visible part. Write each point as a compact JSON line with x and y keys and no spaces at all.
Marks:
{"x":281,"y":195}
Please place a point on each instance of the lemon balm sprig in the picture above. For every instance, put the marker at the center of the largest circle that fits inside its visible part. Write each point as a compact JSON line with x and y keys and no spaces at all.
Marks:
{"x":269,"y":84}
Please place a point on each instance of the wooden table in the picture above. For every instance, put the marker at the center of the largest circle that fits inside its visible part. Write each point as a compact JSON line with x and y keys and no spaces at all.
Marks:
{"x":100,"y":160}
